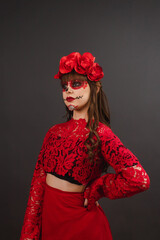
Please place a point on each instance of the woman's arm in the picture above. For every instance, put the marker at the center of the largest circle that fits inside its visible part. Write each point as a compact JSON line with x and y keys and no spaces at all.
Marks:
{"x":32,"y":219}
{"x":130,"y":177}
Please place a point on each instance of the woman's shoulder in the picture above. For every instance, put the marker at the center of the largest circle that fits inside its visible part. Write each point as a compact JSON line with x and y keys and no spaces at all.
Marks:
{"x":57,"y":126}
{"x":104,"y":130}
{"x":103,"y":127}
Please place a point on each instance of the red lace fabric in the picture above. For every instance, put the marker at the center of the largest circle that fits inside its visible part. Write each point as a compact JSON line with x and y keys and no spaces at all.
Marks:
{"x":31,"y":228}
{"x":130,"y":177}
{"x":63,"y":152}
{"x":66,"y":153}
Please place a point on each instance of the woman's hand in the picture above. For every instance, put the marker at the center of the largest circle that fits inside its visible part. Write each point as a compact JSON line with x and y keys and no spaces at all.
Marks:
{"x":93,"y":192}
{"x":86,"y":203}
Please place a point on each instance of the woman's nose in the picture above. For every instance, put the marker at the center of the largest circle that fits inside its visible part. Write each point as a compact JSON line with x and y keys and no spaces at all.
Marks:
{"x":69,"y":89}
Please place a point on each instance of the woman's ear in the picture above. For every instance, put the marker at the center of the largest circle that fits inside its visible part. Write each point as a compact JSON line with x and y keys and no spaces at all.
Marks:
{"x":98,"y":88}
{"x":98,"y":85}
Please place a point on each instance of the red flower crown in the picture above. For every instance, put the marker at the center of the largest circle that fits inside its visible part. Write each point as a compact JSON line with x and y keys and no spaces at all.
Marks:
{"x":82,"y":64}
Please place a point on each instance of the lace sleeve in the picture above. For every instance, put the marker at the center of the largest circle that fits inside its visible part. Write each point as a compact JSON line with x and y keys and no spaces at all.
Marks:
{"x":32,"y":218}
{"x":130,"y":177}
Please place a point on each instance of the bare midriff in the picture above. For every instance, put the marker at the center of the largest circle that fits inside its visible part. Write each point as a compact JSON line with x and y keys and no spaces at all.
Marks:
{"x":63,"y":184}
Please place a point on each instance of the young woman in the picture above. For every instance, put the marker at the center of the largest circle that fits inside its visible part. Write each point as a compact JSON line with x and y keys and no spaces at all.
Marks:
{"x":67,"y":181}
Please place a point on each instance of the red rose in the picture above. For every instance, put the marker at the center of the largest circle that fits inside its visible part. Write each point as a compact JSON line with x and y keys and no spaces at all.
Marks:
{"x":84,"y":63}
{"x":67,"y":63}
{"x":95,"y":73}
{"x":58,"y":75}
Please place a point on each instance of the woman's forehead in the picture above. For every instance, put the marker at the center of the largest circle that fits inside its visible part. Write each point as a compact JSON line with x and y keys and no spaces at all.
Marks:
{"x":73,"y":77}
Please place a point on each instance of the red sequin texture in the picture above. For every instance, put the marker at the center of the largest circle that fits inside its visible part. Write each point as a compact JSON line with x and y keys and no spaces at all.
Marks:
{"x":63,"y":152}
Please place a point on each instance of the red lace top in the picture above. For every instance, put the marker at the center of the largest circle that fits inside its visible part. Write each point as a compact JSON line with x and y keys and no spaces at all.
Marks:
{"x":64,"y":154}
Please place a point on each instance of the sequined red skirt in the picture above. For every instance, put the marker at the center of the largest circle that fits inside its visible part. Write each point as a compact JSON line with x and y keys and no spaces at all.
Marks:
{"x":65,"y":217}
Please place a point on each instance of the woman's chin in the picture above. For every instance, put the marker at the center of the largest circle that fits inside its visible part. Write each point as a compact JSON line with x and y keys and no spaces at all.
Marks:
{"x":72,"y":107}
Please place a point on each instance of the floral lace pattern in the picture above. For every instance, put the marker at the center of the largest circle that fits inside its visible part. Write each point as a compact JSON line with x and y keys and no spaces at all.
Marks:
{"x":63,"y":152}
{"x":32,"y":219}
{"x":130,"y":177}
{"x":66,"y":153}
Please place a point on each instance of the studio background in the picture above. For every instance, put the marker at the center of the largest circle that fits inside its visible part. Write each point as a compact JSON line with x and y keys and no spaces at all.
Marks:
{"x":124,"y":36}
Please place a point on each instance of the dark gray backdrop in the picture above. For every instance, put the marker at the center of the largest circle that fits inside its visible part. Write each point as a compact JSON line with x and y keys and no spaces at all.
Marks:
{"x":124,"y":36}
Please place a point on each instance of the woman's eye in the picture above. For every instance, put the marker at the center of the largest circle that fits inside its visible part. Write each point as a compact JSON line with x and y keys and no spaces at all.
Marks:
{"x":76,"y":84}
{"x":64,"y":86}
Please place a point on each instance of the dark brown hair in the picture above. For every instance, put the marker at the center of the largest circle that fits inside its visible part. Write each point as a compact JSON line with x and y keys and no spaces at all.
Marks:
{"x":98,"y":109}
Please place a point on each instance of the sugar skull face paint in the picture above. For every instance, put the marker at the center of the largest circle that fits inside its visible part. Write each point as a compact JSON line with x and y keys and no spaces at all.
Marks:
{"x":76,"y":93}
{"x":75,"y":84}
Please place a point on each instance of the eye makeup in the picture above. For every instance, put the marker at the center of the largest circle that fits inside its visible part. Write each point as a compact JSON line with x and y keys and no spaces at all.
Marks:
{"x":74,"y":84}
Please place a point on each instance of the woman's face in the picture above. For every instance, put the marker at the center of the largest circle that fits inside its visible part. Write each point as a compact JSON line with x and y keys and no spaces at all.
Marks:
{"x":76,"y":93}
